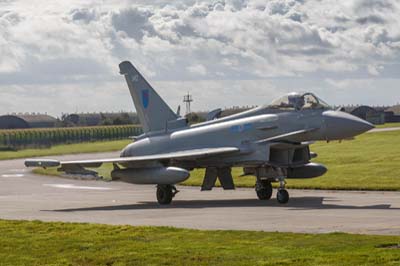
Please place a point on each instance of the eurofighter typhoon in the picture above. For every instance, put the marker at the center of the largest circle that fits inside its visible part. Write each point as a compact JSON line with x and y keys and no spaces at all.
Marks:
{"x":270,"y":142}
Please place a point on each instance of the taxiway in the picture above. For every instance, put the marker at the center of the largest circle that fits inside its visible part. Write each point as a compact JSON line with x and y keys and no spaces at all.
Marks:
{"x":24,"y":195}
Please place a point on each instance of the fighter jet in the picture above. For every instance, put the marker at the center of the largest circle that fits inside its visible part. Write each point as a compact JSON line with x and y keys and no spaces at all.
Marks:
{"x":271,"y":142}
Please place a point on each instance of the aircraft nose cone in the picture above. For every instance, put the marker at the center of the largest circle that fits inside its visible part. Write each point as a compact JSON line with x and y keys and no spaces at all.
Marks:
{"x":341,"y":125}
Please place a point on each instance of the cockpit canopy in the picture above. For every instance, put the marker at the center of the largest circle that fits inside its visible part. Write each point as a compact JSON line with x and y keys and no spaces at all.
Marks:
{"x":299,"y":101}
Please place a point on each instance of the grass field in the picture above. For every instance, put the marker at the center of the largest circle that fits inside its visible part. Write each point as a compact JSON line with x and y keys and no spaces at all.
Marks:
{"x":40,"y":243}
{"x":370,"y":162}
{"x":386,"y":125}
{"x":85,"y":147}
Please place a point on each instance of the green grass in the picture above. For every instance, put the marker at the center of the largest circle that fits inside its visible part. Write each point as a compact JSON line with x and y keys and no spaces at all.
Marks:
{"x":386,"y":125}
{"x":85,"y":147}
{"x":370,"y":162}
{"x":42,"y":243}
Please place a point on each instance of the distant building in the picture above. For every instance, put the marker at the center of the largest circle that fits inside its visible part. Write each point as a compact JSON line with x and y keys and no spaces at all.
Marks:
{"x":15,"y":121}
{"x":95,"y":119}
{"x":392,"y":114}
{"x":373,"y":115}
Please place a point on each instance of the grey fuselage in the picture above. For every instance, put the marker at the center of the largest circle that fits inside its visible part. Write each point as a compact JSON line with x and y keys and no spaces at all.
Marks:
{"x":247,"y":131}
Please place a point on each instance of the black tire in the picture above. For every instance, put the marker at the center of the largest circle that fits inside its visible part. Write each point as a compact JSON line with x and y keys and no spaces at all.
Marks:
{"x":264,"y":190}
{"x":164,"y":194}
{"x":282,"y":196}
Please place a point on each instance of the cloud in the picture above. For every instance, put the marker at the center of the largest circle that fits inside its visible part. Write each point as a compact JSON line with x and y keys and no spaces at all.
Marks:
{"x":371,"y":19}
{"x":373,"y":5}
{"x":198,"y":69}
{"x":74,"y":42}
{"x":85,"y":15}
{"x":272,"y":39}
{"x":360,"y":91}
{"x":134,"y":22}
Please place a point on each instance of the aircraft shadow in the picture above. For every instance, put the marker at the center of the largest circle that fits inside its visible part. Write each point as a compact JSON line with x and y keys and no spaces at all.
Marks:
{"x":298,"y":203}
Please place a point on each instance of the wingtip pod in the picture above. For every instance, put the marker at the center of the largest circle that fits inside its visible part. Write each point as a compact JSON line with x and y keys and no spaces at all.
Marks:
{"x":41,"y":163}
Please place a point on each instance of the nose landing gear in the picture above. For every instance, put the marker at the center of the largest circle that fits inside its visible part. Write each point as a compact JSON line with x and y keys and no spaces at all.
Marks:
{"x":263,"y":184}
{"x":282,"y":195}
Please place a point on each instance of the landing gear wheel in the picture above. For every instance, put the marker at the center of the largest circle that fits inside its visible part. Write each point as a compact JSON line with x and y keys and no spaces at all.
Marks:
{"x":282,"y":196}
{"x":165,"y":193}
{"x":263,"y":189}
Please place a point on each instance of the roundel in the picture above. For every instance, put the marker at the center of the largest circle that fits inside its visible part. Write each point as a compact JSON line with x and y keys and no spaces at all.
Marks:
{"x":145,"y":98}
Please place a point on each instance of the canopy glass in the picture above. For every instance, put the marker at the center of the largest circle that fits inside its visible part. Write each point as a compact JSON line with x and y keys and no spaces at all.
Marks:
{"x":299,"y":101}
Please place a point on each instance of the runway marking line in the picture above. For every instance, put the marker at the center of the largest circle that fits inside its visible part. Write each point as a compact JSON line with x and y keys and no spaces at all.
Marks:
{"x":12,"y":175}
{"x":72,"y":186}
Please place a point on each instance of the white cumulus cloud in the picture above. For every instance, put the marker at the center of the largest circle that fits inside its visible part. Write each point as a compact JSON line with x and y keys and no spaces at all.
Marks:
{"x":78,"y":44}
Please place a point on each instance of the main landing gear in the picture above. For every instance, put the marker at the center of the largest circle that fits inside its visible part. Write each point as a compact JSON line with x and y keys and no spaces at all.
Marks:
{"x":165,"y":193}
{"x":263,"y":189}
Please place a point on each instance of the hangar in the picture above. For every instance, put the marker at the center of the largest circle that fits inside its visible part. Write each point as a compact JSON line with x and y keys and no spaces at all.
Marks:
{"x":392,"y":114}
{"x":13,"y":121}
{"x":370,"y":114}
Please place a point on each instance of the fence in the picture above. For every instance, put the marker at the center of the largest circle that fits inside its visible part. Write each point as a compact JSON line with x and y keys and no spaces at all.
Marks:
{"x":46,"y":137}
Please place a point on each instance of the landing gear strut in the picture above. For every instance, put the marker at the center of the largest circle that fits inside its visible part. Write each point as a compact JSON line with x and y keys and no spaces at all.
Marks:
{"x":165,"y":193}
{"x":263,"y":189}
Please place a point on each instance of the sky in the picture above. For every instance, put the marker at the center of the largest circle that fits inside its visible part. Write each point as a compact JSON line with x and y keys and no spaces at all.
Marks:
{"x":62,"y":56}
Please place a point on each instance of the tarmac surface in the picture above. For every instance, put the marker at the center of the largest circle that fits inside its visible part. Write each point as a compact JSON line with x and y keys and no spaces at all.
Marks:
{"x":24,"y":195}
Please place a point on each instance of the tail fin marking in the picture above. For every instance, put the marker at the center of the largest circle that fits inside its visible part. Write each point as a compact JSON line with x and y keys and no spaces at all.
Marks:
{"x":153,"y":112}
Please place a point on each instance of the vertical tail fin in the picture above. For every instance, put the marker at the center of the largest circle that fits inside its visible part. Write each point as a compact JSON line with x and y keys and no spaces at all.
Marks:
{"x":152,"y":111}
